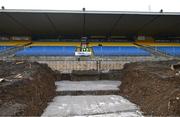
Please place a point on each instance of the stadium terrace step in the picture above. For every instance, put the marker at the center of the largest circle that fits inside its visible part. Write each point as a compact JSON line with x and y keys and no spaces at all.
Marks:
{"x":169,"y":50}
{"x":89,"y":99}
{"x":90,"y":75}
{"x":153,"y":50}
{"x":77,"y":95}
{"x":101,"y":87}
{"x":100,"y":92}
{"x":91,"y":106}
{"x":85,"y":75}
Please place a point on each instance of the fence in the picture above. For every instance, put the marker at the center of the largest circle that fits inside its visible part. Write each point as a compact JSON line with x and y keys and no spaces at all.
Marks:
{"x":68,"y":66}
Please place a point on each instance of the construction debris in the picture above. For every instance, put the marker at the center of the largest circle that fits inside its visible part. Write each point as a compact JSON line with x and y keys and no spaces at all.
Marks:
{"x":144,"y":84}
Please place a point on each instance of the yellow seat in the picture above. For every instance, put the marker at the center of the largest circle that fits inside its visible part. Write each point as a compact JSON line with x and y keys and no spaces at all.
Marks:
{"x":13,"y":43}
{"x":111,"y":44}
{"x":55,"y":44}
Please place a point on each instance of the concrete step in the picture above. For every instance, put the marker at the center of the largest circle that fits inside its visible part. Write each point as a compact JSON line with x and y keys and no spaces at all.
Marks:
{"x":91,"y":106}
{"x":91,"y":75}
{"x":99,"y":92}
{"x":101,"y":87}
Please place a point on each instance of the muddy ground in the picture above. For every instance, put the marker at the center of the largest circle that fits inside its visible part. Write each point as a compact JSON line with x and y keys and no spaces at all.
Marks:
{"x":25,"y":88}
{"x":154,"y":86}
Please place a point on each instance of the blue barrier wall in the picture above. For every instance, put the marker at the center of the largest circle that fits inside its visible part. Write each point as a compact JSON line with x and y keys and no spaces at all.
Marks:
{"x":119,"y":51}
{"x":48,"y":51}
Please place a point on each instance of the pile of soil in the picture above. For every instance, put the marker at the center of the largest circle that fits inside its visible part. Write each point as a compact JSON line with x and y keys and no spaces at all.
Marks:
{"x":25,"y":88}
{"x":154,"y":86}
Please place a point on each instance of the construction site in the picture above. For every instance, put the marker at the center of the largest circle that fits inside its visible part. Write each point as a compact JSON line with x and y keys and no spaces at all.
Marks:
{"x":89,"y":63}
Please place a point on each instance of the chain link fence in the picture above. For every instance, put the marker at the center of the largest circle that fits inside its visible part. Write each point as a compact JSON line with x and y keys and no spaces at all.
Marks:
{"x":68,"y":66}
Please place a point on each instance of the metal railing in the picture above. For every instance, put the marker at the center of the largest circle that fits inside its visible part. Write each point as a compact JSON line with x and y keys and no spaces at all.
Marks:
{"x":154,"y":50}
{"x":69,"y":66}
{"x":100,"y":64}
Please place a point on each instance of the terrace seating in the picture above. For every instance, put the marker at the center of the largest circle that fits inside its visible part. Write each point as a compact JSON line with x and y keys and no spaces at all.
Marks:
{"x":47,"y":51}
{"x":170,"y":50}
{"x":3,"y":48}
{"x":91,"y":44}
{"x":13,"y":43}
{"x":119,"y":51}
{"x":55,"y":43}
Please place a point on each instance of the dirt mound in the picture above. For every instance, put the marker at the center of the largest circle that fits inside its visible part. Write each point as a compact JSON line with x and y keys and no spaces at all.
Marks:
{"x":154,"y":86}
{"x":25,"y":88}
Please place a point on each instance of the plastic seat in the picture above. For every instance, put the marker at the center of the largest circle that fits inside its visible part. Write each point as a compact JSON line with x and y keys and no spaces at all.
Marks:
{"x":48,"y":51}
{"x":119,"y":51}
{"x":3,"y":48}
{"x":170,"y":50}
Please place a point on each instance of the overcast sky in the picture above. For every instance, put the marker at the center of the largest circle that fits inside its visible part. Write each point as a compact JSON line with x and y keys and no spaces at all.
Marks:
{"x":103,"y":5}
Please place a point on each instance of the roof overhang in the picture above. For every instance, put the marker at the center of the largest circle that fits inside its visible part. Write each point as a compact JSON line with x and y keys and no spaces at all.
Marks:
{"x":30,"y":22}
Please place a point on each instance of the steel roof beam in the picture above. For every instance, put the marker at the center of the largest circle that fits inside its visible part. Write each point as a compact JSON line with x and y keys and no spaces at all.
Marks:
{"x":18,"y":23}
{"x":51,"y":23}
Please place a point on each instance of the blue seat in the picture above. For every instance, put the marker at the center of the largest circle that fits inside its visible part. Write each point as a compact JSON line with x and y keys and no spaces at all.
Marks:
{"x":48,"y":51}
{"x":170,"y":50}
{"x":119,"y":51}
{"x":3,"y":48}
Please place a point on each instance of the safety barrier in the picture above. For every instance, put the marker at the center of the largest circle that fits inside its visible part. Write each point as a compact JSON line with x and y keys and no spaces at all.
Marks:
{"x":69,"y":66}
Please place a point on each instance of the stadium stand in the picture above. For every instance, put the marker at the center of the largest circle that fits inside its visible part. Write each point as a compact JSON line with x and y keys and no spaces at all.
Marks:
{"x":13,"y":43}
{"x":55,"y":44}
{"x":47,"y":51}
{"x":157,"y":44}
{"x":79,"y":43}
{"x":119,"y":51}
{"x":106,"y":48}
{"x":3,"y":48}
{"x":91,"y":44}
{"x":170,"y":50}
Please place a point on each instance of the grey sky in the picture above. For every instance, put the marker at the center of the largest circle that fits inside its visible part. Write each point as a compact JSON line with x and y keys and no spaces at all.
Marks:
{"x":104,"y":5}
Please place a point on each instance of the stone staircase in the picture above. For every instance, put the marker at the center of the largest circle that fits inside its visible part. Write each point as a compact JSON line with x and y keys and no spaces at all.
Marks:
{"x":92,"y":96}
